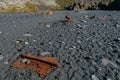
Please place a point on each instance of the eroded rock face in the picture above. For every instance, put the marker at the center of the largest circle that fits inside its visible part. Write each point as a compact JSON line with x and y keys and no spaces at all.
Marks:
{"x":5,"y":3}
{"x":49,"y":2}
{"x":95,"y":5}
{"x":34,"y":5}
{"x":24,"y":5}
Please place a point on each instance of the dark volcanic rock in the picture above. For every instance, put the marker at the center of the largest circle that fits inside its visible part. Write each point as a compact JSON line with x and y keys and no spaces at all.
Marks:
{"x":95,"y":5}
{"x":86,"y":49}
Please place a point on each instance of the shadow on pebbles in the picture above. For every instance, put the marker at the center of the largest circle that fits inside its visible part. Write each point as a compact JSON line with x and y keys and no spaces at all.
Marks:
{"x":86,"y":49}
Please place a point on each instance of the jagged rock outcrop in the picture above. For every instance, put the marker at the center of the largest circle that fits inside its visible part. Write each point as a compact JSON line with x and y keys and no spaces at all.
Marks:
{"x":26,"y":5}
{"x":35,"y":5}
{"x":95,"y":5}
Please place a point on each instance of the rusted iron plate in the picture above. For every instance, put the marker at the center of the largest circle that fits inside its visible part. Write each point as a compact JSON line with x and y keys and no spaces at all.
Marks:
{"x":41,"y":65}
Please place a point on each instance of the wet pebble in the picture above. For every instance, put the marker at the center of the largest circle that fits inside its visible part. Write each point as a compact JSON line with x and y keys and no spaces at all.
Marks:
{"x":84,"y":21}
{"x":45,"y":53}
{"x":109,"y":79}
{"x":117,"y":25}
{"x":79,"y":41}
{"x":119,"y":39}
{"x":6,"y":62}
{"x":74,"y":47}
{"x":26,"y":43}
{"x":50,"y":42}
{"x":26,"y":61}
{"x":17,"y":42}
{"x":13,"y":21}
{"x":0,"y":32}
{"x":14,"y":25}
{"x":105,"y":62}
{"x":1,"y":57}
{"x":78,"y":25}
{"x":27,"y":35}
{"x":34,"y":40}
{"x":47,"y":25}
{"x":94,"y":77}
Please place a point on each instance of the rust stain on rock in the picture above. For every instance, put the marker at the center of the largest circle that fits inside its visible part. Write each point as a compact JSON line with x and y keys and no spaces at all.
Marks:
{"x":41,"y":65}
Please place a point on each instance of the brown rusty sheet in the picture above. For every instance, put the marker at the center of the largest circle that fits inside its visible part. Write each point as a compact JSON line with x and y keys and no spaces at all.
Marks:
{"x":41,"y":65}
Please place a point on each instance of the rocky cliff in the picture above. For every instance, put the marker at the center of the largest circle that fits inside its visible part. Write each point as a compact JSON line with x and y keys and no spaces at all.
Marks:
{"x":35,"y":5}
{"x":93,"y":5}
{"x":26,"y":5}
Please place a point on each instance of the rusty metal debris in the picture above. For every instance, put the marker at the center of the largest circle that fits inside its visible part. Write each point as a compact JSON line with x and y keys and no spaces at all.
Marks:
{"x":92,"y":17}
{"x":42,"y":13}
{"x":49,"y":13}
{"x":68,"y":19}
{"x":41,"y":65}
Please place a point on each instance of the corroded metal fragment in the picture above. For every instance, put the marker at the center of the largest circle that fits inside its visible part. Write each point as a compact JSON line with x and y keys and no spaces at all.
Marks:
{"x":41,"y":65}
{"x":68,"y":19}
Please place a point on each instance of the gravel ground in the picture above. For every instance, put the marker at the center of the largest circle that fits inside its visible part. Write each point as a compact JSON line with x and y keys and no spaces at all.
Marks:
{"x":86,"y":49}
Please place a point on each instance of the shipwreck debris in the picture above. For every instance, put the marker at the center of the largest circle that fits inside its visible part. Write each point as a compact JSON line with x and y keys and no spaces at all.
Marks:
{"x":41,"y":65}
{"x":68,"y":19}
{"x":1,"y":57}
{"x":49,"y":13}
{"x":92,"y":17}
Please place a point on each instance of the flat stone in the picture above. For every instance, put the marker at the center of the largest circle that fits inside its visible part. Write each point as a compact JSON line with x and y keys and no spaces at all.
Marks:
{"x":6,"y":62}
{"x":26,"y":43}
{"x":47,"y":25}
{"x":27,"y":35}
{"x":84,"y":21}
{"x":45,"y":53}
{"x":0,"y":32}
{"x":94,"y":77}
{"x":1,"y":57}
{"x":26,"y":61}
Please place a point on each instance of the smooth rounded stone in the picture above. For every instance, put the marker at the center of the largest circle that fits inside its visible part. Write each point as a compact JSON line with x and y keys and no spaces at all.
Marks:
{"x":47,"y":25}
{"x":17,"y":41}
{"x":94,"y":77}
{"x":79,"y":41}
{"x":0,"y":32}
{"x":6,"y":62}
{"x":30,"y":47}
{"x":26,"y":61}
{"x":105,"y":62}
{"x":109,"y":79}
{"x":74,"y":47}
{"x":50,"y":42}
{"x":78,"y":25}
{"x":84,"y":21}
{"x":13,"y":21}
{"x":27,"y":35}
{"x":117,"y":25}
{"x":14,"y":25}
{"x":119,"y":39}
{"x":34,"y":40}
{"x":1,"y":57}
{"x":26,"y":43}
{"x":45,"y":53}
